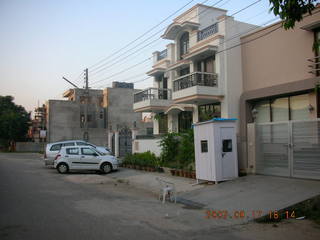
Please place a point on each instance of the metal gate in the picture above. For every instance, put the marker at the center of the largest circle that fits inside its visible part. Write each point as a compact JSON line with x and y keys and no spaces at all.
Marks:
{"x":125,"y":141}
{"x":289,"y":149}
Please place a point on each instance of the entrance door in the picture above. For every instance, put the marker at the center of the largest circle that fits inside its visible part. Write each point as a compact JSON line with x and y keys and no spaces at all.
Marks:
{"x":184,"y":120}
{"x":228,"y":152}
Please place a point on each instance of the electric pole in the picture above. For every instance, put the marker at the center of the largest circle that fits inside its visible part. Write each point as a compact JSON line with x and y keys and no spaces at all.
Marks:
{"x":86,"y":95}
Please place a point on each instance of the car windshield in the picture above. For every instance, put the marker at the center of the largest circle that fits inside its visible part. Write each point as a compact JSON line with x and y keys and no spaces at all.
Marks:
{"x":100,"y":153}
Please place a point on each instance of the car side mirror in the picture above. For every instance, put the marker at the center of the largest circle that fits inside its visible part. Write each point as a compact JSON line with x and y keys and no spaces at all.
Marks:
{"x":95,"y":154}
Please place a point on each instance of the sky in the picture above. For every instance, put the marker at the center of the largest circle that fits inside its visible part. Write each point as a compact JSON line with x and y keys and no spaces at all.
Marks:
{"x":43,"y":40}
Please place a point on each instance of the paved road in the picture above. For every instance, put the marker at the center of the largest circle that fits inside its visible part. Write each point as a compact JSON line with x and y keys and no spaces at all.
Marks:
{"x":39,"y":203}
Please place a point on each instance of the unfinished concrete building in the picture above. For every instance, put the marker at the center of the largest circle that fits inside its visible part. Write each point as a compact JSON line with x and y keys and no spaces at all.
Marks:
{"x":110,"y":117}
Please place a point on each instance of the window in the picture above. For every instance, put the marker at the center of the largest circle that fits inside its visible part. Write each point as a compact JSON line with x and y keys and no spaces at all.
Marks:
{"x":209,"y":111}
{"x":299,"y":107}
{"x":226,"y":145}
{"x":55,"y":147}
{"x":81,"y":144}
{"x":149,"y":131}
{"x":280,"y":109}
{"x":204,"y":146}
{"x":88,"y":152}
{"x":263,"y":111}
{"x":184,"y":43}
{"x":68,"y":144}
{"x":72,"y":151}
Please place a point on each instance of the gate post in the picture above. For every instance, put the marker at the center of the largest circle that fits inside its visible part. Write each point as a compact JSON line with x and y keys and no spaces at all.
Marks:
{"x":116,"y":143}
{"x":134,"y":133}
{"x":110,"y":134}
{"x":251,"y":147}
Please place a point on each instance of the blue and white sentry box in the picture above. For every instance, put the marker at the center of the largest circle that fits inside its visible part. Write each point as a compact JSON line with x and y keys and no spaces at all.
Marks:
{"x":215,"y":144}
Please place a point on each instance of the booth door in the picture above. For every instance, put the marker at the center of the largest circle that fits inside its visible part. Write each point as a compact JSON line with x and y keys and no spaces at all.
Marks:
{"x":228,"y":152}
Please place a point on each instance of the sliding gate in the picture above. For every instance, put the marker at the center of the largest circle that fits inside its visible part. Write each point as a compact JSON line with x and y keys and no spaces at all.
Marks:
{"x":289,"y":149}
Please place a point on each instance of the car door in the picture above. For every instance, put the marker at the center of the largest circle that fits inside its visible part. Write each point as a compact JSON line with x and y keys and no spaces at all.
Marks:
{"x":89,"y":159}
{"x":72,"y":157}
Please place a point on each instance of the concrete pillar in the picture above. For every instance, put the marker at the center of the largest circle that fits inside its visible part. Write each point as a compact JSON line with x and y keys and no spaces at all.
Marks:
{"x":155,"y":126}
{"x":110,"y":134}
{"x":251,"y":148}
{"x":116,"y":144}
{"x":195,"y":114}
{"x":134,"y":134}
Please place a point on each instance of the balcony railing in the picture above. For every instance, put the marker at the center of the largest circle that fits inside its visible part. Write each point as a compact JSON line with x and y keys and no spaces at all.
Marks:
{"x":162,"y":55}
{"x":314,"y":65}
{"x":195,"y":79}
{"x":152,"y":93}
{"x":208,"y":31}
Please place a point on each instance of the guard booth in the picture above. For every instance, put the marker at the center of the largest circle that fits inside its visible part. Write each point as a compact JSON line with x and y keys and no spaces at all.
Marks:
{"x":216,"y":149}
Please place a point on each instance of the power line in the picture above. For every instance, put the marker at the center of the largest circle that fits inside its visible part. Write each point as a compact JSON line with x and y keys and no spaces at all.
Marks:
{"x":160,"y":37}
{"x":96,"y":68}
{"x":188,"y":19}
{"x":125,"y":57}
{"x":123,"y":70}
{"x":149,"y":30}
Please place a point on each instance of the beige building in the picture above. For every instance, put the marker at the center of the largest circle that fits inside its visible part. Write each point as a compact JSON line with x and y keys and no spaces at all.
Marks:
{"x":280,"y":76}
{"x":195,"y":79}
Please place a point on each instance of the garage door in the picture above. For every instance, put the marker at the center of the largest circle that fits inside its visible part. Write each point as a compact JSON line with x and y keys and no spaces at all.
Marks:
{"x":289,"y":149}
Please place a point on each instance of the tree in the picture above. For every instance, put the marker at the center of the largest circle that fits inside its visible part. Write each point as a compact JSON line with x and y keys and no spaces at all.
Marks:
{"x":14,"y":121}
{"x":292,"y":11}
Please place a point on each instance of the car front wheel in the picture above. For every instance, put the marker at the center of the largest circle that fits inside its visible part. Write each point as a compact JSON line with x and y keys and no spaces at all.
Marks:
{"x":106,"y":168}
{"x":62,"y":168}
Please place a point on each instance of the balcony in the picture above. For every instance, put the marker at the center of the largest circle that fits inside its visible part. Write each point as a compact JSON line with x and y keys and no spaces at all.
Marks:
{"x":207,"y":32}
{"x":196,"y":88}
{"x":152,"y":100}
{"x":162,"y":55}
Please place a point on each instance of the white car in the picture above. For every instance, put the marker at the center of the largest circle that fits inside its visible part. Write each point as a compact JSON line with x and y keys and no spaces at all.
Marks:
{"x":52,"y":149}
{"x":84,"y":158}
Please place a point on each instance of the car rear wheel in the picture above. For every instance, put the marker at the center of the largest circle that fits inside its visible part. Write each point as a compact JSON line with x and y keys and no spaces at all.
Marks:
{"x":106,"y":168}
{"x":62,"y":168}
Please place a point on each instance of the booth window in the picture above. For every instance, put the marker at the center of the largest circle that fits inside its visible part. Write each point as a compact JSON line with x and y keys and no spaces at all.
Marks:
{"x":204,"y":146}
{"x":227,"y":145}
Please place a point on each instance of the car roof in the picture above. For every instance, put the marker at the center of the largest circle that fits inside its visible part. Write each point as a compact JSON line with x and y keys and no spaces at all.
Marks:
{"x":68,"y":141}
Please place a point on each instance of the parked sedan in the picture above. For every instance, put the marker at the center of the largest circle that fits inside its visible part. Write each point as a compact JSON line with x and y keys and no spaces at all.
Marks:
{"x":52,"y":149}
{"x":84,"y":158}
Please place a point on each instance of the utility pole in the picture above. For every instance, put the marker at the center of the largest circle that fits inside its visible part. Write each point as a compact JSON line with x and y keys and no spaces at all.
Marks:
{"x":86,"y":95}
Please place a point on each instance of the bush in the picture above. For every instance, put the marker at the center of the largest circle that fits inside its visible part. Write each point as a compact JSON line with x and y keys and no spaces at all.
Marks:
{"x":178,"y":150}
{"x":145,"y":159}
{"x":169,"y":144}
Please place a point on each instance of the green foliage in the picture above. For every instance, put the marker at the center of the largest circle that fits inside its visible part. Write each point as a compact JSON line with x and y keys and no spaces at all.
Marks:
{"x":178,"y":150}
{"x":14,"y":121}
{"x":291,"y":11}
{"x":145,"y":159}
{"x":169,"y":144}
{"x":185,"y":154}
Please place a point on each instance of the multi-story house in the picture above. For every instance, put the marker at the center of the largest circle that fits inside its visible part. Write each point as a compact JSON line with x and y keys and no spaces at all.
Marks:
{"x":198,"y":76}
